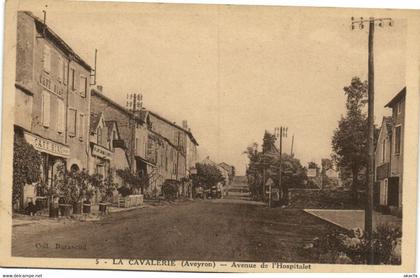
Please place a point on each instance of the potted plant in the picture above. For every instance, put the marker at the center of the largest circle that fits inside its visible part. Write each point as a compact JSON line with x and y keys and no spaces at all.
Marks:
{"x":107,"y":189}
{"x":65,"y":206}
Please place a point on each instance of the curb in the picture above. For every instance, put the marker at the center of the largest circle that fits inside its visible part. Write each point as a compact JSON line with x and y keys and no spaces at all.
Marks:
{"x":326,"y":220}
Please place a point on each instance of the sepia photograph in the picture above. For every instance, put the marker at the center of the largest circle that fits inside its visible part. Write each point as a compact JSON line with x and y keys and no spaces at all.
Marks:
{"x":215,"y":138}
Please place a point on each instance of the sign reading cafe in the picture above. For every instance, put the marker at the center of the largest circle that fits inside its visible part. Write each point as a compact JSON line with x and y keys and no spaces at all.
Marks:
{"x":47,"y":146}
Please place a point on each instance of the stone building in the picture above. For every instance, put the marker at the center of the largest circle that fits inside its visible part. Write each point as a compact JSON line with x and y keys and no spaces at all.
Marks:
{"x":52,"y":100}
{"x":125,"y":119}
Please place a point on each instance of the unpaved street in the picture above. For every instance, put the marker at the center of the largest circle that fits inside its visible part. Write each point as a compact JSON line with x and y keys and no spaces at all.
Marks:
{"x":194,"y":230}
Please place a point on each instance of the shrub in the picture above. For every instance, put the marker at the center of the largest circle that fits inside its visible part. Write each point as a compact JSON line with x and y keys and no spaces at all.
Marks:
{"x":170,"y":190}
{"x":354,"y":248}
{"x":124,"y":191}
{"x":26,"y":167}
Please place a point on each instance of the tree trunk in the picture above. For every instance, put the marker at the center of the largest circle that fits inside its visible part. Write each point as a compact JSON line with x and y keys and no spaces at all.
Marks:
{"x":355,"y":173}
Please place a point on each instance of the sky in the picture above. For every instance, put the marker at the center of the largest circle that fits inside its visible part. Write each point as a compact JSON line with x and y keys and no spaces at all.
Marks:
{"x":235,"y":71}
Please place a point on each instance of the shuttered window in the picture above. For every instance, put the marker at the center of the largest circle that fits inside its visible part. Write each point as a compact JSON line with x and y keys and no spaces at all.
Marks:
{"x":60,"y":116}
{"x":81,"y":126}
{"x":60,"y":69}
{"x":72,"y":81}
{"x":397,"y":141}
{"x":46,"y":108}
{"x":65,"y":72}
{"x":71,"y":122}
{"x":83,"y":86}
{"x":46,"y":58}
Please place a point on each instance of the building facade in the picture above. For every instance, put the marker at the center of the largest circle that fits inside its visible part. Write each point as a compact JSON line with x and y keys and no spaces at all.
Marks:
{"x":52,"y":103}
{"x":389,"y":157}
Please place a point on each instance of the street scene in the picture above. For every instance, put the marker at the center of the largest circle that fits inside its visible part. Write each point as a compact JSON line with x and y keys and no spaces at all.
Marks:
{"x":209,"y":133}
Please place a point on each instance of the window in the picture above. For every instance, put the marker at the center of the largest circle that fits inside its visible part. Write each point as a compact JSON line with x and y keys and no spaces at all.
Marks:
{"x":383,"y":150}
{"x":81,"y":126}
{"x":46,"y":108}
{"x":72,"y":121}
{"x":83,"y":86}
{"x":397,"y":147}
{"x":61,"y":116}
{"x":399,"y":107}
{"x":46,"y":58}
{"x":72,"y":81}
{"x":65,"y":72}
{"x":99,"y":136}
{"x":60,"y":69}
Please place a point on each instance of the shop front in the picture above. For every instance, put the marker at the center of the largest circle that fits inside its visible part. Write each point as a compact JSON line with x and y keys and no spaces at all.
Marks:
{"x":53,"y":166}
{"x":101,"y":160}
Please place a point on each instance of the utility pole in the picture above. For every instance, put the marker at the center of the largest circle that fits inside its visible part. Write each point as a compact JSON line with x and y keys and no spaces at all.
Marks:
{"x":291,"y":149}
{"x":371,"y":128}
{"x":280,"y":132}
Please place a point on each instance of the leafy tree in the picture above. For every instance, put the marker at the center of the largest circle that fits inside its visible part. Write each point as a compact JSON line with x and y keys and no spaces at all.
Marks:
{"x":268,"y":141}
{"x":26,"y":167}
{"x":208,"y":175}
{"x":293,"y":173}
{"x":252,"y":152}
{"x":349,"y":141}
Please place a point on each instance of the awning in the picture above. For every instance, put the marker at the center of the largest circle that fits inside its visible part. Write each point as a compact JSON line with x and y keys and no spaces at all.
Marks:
{"x":144,"y":161}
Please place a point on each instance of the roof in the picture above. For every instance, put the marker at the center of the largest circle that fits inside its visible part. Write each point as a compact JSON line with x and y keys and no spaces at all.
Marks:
{"x":174,"y":125}
{"x":397,"y":98}
{"x":58,"y":41}
{"x":142,"y":115}
{"x":95,"y":92}
{"x":225,"y":166}
{"x":94,"y":121}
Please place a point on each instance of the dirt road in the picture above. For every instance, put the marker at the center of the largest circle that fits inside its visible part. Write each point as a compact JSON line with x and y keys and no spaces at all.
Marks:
{"x":197,"y":230}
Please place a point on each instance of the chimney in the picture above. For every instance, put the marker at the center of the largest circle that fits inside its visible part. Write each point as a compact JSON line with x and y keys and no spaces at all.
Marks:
{"x":100,"y":88}
{"x":184,"y":124}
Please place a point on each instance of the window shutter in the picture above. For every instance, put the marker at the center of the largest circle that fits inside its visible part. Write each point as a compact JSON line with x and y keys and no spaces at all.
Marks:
{"x":82,"y":126}
{"x":83,"y":86}
{"x":61,"y":116}
{"x":47,"y":58}
{"x":46,"y":107}
{"x":72,"y":122}
{"x":60,"y":69}
{"x":65,"y":71}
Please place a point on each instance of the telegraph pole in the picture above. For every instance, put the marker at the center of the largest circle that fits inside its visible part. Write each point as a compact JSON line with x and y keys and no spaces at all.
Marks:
{"x":371,"y":128}
{"x":280,"y":132}
{"x":291,"y":149}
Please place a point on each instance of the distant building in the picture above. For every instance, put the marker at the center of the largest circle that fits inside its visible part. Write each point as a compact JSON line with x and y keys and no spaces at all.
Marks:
{"x":230,"y":170}
{"x":389,"y":156}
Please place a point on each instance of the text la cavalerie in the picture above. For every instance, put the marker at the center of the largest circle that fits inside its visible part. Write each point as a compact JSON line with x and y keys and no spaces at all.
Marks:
{"x":144,"y":262}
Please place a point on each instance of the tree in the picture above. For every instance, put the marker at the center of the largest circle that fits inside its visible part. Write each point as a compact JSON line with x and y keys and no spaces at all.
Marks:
{"x":208,"y":175}
{"x":26,"y":168}
{"x":252,"y":152}
{"x":349,"y":141}
{"x":268,"y":141}
{"x":293,"y":173}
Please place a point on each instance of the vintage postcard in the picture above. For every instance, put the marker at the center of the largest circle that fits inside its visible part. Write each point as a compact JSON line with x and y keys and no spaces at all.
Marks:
{"x":209,"y":138}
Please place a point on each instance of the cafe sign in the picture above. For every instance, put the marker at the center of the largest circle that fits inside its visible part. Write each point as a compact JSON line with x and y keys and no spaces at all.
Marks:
{"x":101,"y":152}
{"x":47,"y":146}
